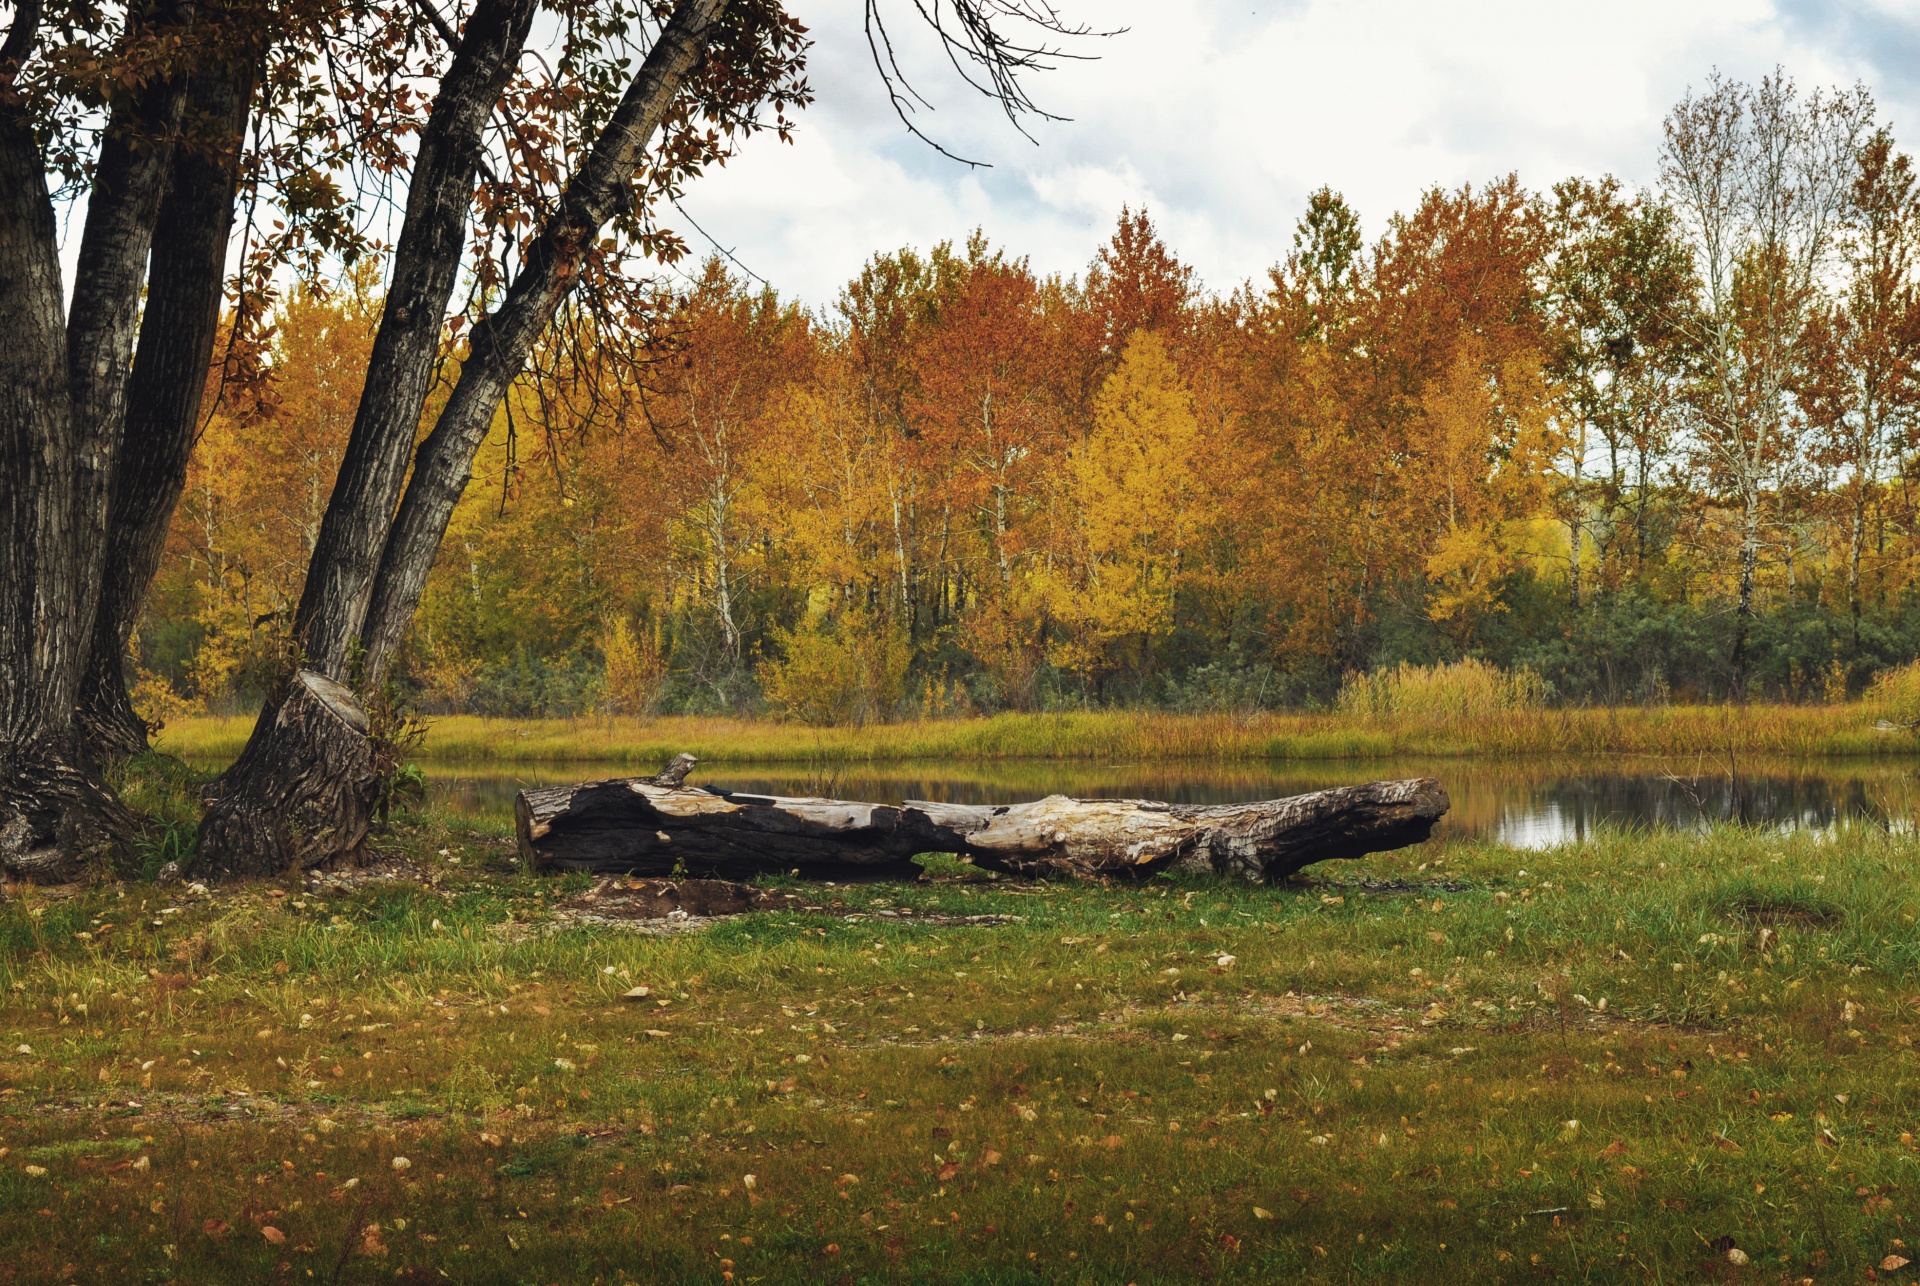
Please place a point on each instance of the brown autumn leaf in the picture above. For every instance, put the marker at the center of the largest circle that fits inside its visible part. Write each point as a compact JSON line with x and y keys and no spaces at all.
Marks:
{"x":949,"y":1170}
{"x":273,"y":1235}
{"x":1111,"y":1142}
{"x":1893,"y":1264}
{"x":215,"y":1228}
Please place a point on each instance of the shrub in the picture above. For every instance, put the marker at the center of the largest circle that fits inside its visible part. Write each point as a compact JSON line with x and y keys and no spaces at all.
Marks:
{"x":850,"y":671}
{"x":1895,"y":694}
{"x":1461,"y":690}
{"x":636,"y":670}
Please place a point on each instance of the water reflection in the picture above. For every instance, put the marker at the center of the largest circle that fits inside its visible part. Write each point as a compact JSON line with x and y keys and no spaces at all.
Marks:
{"x":1525,"y":805}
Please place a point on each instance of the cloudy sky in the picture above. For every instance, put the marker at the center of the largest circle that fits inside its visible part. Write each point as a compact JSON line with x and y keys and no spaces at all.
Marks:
{"x":1220,"y":116}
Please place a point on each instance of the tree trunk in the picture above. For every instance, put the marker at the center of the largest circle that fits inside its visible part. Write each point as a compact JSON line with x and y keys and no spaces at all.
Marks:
{"x":501,"y":342}
{"x":273,"y":769}
{"x":177,"y":333}
{"x":426,"y":265}
{"x":345,"y":604}
{"x":643,"y":826}
{"x":62,"y":394}
{"x":308,"y":800}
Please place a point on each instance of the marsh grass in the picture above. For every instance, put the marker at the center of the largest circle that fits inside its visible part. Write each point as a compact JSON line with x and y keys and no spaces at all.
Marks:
{"x":1711,"y":732}
{"x":1469,"y":689}
{"x":1454,"y":1063}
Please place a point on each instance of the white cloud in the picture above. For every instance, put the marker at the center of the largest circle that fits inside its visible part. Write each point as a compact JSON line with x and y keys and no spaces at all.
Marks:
{"x":1222,"y":117}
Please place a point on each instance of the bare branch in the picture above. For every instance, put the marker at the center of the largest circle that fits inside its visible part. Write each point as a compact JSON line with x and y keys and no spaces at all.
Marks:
{"x":975,"y":37}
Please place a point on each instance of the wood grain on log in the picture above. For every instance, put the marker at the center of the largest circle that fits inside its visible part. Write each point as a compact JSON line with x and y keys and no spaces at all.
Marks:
{"x":643,"y":826}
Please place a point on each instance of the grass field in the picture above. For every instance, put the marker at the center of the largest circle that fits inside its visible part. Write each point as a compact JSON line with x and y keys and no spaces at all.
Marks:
{"x":1719,"y":730}
{"x":1642,"y":1058}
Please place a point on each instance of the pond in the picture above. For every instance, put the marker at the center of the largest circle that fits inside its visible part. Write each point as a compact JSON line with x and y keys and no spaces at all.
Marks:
{"x":1519,"y":803}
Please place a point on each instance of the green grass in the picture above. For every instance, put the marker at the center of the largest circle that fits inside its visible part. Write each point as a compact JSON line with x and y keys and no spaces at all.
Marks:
{"x":1377,"y":1085}
{"x":1771,"y":730}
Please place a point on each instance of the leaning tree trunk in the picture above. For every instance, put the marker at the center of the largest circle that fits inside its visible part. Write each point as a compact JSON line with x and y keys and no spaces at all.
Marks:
{"x":361,"y":531}
{"x":657,"y":826}
{"x":314,"y":805}
{"x":353,"y":531}
{"x":501,"y":342}
{"x":177,"y":333}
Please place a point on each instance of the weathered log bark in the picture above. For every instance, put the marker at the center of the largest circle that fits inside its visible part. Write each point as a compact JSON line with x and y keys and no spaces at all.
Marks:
{"x":649,"y":827}
{"x":315,"y":797}
{"x":637,"y":825}
{"x":1266,"y":839}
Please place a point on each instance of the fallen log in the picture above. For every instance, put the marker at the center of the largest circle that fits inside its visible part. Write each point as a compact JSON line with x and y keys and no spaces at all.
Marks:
{"x":661,"y":826}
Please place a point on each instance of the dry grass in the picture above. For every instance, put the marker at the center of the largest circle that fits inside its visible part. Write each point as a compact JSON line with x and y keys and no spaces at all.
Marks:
{"x":1121,"y":736}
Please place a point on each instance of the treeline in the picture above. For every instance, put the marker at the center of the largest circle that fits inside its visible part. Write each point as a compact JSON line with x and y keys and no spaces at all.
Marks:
{"x":1648,"y":446}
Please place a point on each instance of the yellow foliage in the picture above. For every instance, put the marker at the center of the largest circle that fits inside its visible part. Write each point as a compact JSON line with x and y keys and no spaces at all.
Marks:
{"x":636,"y":669}
{"x":158,"y":704}
{"x":852,"y":671}
{"x":1895,"y":694}
{"x":1462,"y":690}
{"x":1489,"y":438}
{"x":1133,"y":497}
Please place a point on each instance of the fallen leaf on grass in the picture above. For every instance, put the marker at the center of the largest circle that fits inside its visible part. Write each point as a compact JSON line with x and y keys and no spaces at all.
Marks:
{"x":1737,"y":1257}
{"x":215,"y":1228}
{"x":1258,"y":1213}
{"x":948,"y":1171}
{"x":273,"y":1235}
{"x":1893,"y":1264}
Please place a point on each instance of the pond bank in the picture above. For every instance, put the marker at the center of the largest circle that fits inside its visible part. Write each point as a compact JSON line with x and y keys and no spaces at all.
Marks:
{"x":1728,"y":733}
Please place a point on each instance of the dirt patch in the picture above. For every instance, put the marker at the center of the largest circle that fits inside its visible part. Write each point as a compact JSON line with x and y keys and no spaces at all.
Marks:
{"x":678,"y":899}
{"x":668,"y":906}
{"x":1771,"y":912}
{"x":1420,"y":888}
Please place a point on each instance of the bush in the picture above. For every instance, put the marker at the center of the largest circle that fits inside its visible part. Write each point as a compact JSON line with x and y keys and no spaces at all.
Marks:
{"x":852,"y":671}
{"x":1462,"y":690}
{"x":1895,"y":694}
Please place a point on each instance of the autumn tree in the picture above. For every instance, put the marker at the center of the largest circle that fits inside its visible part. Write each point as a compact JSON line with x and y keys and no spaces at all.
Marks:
{"x":1617,"y":287}
{"x":1861,"y":389}
{"x":1134,"y":495}
{"x":1759,"y":178}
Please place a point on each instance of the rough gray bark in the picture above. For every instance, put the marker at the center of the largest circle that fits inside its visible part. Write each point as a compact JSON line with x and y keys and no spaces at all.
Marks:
{"x":642,"y":826}
{"x":311,"y":801}
{"x":501,"y":342}
{"x":186,"y":274}
{"x":426,"y":265}
{"x":62,"y":399}
{"x":1266,"y":839}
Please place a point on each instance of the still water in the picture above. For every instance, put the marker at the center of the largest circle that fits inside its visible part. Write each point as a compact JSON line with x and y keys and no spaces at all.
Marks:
{"x":1522,"y":804}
